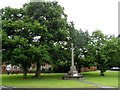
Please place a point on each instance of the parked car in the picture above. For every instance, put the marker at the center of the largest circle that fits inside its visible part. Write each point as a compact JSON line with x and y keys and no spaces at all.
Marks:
{"x":115,"y":69}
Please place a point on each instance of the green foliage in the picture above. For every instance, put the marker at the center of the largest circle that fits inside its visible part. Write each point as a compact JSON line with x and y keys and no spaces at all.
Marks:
{"x":112,"y":49}
{"x":40,"y":53}
{"x":52,"y":17}
{"x":21,"y":27}
{"x":106,"y":51}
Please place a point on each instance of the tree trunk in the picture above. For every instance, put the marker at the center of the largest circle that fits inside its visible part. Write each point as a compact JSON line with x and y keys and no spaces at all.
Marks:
{"x":37,"y":74}
{"x":25,"y":72}
{"x":102,"y":70}
{"x":101,"y":73}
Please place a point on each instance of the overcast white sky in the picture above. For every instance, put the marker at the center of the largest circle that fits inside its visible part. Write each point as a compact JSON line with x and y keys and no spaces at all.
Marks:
{"x":86,"y":14}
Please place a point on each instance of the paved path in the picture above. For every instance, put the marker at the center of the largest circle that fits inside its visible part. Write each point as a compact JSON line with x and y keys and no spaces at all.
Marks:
{"x":7,"y":88}
{"x":95,"y":84}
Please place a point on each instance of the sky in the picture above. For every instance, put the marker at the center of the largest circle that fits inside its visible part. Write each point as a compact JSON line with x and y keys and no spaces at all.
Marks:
{"x":86,"y":14}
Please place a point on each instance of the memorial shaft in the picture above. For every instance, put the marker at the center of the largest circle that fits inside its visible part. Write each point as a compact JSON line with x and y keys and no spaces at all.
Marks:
{"x":72,"y":56}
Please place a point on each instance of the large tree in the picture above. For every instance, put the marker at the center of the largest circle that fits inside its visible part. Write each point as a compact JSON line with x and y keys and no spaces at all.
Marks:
{"x":52,"y":16}
{"x":98,"y":41}
{"x":16,"y":51}
{"x":106,"y":50}
{"x":15,"y":29}
{"x":112,"y":49}
{"x":36,"y":19}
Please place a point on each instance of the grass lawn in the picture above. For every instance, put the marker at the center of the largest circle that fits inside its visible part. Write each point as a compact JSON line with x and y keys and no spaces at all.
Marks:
{"x":54,"y":80}
{"x":110,"y":78}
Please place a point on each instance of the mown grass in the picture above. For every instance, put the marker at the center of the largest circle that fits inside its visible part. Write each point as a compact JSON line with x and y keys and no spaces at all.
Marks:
{"x":110,"y":78}
{"x":54,"y":80}
{"x":46,"y":81}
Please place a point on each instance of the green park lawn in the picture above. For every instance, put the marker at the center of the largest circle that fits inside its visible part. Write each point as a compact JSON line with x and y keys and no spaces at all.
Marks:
{"x":110,"y":78}
{"x":54,"y":80}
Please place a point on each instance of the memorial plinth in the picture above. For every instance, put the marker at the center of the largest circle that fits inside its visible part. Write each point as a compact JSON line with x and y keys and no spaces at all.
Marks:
{"x":73,"y":74}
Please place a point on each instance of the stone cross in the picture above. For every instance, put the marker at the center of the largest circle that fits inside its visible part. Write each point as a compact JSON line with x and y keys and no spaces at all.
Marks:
{"x":72,"y":55}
